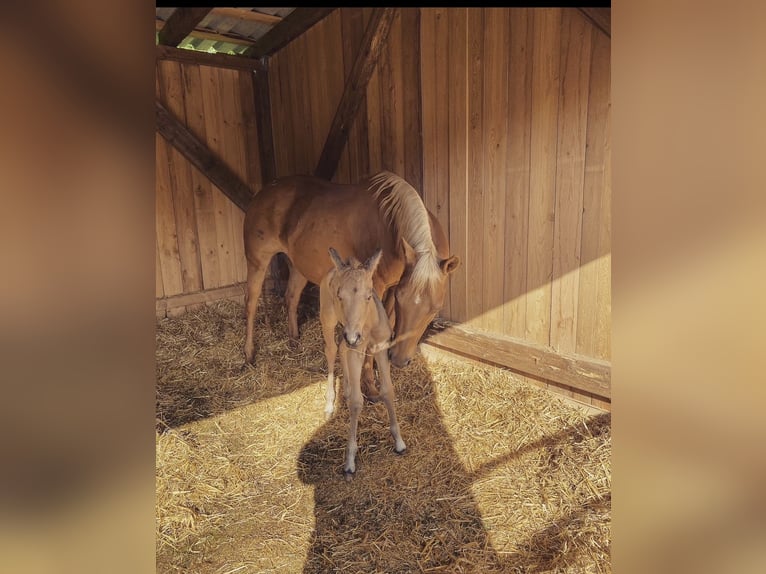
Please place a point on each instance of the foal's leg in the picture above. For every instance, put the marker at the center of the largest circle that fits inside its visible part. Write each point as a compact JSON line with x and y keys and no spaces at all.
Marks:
{"x":256,"y":271}
{"x":295,"y":285}
{"x":352,"y":369}
{"x":387,"y":394}
{"x":329,"y":320}
{"x":368,"y":380}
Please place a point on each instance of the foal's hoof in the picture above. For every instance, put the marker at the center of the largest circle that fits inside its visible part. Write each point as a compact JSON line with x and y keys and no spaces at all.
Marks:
{"x":348,"y":475}
{"x":370,"y":391}
{"x":400,"y":452}
{"x":293,"y":344}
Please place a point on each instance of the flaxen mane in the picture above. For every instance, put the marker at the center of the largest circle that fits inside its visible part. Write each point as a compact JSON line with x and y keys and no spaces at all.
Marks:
{"x":406,"y":213}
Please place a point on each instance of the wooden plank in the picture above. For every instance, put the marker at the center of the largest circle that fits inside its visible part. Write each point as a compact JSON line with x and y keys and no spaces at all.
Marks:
{"x":413,"y":141}
{"x":495,"y":152}
{"x":233,"y":137}
{"x":373,"y":41}
{"x":291,"y":27}
{"x":429,"y":96}
{"x":264,"y":128}
{"x":588,"y":309}
{"x":180,"y":23}
{"x":249,"y":15}
{"x":250,"y":121}
{"x":458,"y":159}
{"x":517,"y":173}
{"x":280,"y":119}
{"x":201,"y":156}
{"x":542,"y":176}
{"x":203,"y":34}
{"x":373,"y":114}
{"x":392,"y":123}
{"x":315,"y":63}
{"x":583,"y":373}
{"x":441,"y":147}
{"x":570,"y":172}
{"x":159,"y":289}
{"x":601,"y":18}
{"x":167,"y":239}
{"x":475,"y":229}
{"x":215,"y":130}
{"x":352,"y":30}
{"x":172,"y":94}
{"x":201,"y":185}
{"x":207,"y":296}
{"x":206,"y":59}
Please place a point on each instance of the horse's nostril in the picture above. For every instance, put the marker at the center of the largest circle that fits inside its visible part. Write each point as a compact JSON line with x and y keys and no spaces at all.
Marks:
{"x":354,"y":340}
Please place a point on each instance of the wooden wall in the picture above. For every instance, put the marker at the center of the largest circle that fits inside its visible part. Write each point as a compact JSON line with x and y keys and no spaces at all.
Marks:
{"x":199,"y":231}
{"x":501,"y":118}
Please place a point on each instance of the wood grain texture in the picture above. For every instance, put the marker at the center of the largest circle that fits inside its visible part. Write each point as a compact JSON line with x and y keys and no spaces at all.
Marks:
{"x":372,"y":43}
{"x":172,"y":94}
{"x":180,"y":23}
{"x":206,"y":59}
{"x":542,"y":177}
{"x":495,"y":157}
{"x":201,"y":185}
{"x":458,"y":159}
{"x":570,"y":170}
{"x":517,"y":173}
{"x":582,"y":373}
{"x":593,"y":290}
{"x":291,"y":27}
{"x":474,"y":263}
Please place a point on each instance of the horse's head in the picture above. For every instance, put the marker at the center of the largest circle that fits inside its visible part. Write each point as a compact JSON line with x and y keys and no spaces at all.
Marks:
{"x":418,"y":298}
{"x":352,"y":290}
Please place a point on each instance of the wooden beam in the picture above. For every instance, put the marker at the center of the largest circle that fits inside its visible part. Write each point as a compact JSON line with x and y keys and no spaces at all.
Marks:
{"x":202,"y":158}
{"x":246,"y":14}
{"x":582,"y":373}
{"x":199,"y":297}
{"x":263,"y":121}
{"x":205,"y":59}
{"x":215,"y":36}
{"x":601,"y":18}
{"x":180,"y":23}
{"x":292,"y":26}
{"x":356,"y":86}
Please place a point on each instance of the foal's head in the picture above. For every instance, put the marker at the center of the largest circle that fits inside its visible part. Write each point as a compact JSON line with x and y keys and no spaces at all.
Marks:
{"x":352,"y":292}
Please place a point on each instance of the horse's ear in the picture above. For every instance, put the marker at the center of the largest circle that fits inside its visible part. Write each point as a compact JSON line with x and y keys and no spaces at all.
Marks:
{"x":410,"y":257}
{"x":372,"y":262}
{"x":339,"y":264}
{"x":450,"y":264}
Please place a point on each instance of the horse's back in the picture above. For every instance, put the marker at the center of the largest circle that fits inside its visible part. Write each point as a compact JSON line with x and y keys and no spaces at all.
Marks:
{"x":304,"y":216}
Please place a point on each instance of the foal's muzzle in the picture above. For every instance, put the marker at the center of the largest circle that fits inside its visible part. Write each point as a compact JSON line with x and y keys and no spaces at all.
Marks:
{"x":353,"y":339}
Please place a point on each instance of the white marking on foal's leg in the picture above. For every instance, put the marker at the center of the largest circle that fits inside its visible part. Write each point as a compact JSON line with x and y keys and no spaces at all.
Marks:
{"x":329,"y":407}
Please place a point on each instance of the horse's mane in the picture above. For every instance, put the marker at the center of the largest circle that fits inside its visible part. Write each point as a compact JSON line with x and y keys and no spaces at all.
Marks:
{"x":405,"y":212}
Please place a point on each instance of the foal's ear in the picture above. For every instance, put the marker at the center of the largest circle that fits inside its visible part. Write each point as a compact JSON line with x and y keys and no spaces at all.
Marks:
{"x":450,"y":264}
{"x":339,"y":264}
{"x":410,"y":257}
{"x":372,"y":263}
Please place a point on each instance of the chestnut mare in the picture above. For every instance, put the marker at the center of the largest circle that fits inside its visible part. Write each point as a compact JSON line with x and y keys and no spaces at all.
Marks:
{"x":346,"y":296}
{"x":304,"y":216}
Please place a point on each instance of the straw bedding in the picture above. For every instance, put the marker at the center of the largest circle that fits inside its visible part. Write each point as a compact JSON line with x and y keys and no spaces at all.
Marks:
{"x":499,"y":475}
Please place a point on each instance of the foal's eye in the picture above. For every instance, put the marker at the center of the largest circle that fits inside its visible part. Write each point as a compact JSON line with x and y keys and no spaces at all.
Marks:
{"x":369,"y":296}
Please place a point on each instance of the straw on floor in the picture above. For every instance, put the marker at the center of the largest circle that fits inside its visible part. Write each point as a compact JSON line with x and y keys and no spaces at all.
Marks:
{"x":499,"y":475}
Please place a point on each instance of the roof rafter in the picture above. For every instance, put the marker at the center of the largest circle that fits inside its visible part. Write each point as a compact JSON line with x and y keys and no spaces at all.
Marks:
{"x":180,"y":24}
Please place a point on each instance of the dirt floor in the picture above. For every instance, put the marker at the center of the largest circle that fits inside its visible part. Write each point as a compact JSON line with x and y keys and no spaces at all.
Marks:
{"x":499,"y":475}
